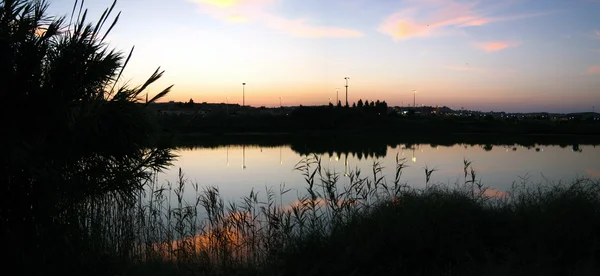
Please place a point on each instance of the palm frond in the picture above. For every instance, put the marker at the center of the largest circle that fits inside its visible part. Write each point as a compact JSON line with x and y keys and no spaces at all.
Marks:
{"x":154,"y":77}
{"x":111,"y":26}
{"x":160,"y":95}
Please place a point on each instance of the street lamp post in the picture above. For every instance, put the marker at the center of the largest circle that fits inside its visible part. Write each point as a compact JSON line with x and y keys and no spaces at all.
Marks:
{"x":227,"y":105}
{"x":346,"y":78}
{"x":280,"y":106}
{"x":337,"y":96}
{"x":414,"y":98}
{"x":243,"y":93}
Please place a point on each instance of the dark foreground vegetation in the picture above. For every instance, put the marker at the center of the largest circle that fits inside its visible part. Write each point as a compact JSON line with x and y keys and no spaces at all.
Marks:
{"x":360,"y":224}
{"x":80,"y":197}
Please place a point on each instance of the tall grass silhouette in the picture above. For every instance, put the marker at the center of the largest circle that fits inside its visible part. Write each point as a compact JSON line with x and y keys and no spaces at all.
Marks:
{"x":76,"y":140}
{"x":357,"y":224}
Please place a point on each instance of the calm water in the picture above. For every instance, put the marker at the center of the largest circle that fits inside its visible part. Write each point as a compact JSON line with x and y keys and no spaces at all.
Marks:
{"x":238,"y":169}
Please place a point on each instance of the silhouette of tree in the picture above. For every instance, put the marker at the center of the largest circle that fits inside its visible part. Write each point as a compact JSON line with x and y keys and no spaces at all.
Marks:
{"x":339,"y":104}
{"x":82,"y":136}
{"x":381,"y":107}
{"x":366,"y":103}
{"x":189,"y":104}
{"x":353,"y":105}
{"x":360,"y":103}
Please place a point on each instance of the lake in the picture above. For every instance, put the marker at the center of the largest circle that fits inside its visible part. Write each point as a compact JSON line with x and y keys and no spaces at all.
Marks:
{"x":237,"y":169}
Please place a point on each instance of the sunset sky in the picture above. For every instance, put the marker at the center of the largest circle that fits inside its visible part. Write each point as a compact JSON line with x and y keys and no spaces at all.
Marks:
{"x":514,"y":55}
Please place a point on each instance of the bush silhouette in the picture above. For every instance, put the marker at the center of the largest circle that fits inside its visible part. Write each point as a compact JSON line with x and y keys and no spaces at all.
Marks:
{"x":72,"y":133}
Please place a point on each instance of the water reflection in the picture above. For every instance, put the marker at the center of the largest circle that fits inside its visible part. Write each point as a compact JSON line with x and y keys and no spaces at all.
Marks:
{"x":498,"y":165}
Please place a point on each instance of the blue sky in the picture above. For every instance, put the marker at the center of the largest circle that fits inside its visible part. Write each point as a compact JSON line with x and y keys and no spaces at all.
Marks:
{"x":516,"y":55}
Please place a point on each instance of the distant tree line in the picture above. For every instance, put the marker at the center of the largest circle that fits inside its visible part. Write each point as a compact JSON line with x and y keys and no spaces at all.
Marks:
{"x":374,"y":106}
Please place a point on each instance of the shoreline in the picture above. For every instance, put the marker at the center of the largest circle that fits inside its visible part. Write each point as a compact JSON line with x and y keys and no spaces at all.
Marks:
{"x":334,"y":141}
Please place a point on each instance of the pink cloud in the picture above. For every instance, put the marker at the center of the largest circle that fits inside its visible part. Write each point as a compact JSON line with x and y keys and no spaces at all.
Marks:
{"x":594,"y":70}
{"x":495,"y":46}
{"x":302,"y":28}
{"x":244,"y":11}
{"x":436,"y":17}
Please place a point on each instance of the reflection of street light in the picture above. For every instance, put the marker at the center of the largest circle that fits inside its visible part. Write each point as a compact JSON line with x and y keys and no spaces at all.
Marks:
{"x":227,"y":155}
{"x":414,"y":159}
{"x":280,"y":161}
{"x":244,"y":157}
{"x":346,"y":165}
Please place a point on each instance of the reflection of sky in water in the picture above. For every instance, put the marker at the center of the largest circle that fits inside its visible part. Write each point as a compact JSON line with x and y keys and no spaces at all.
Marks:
{"x":497,"y":167}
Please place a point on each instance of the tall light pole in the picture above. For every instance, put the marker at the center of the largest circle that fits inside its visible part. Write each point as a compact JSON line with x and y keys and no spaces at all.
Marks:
{"x":227,"y":105}
{"x":414,"y":98}
{"x":337,"y":96}
{"x":280,"y":106}
{"x":346,"y":78}
{"x":243,"y":93}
